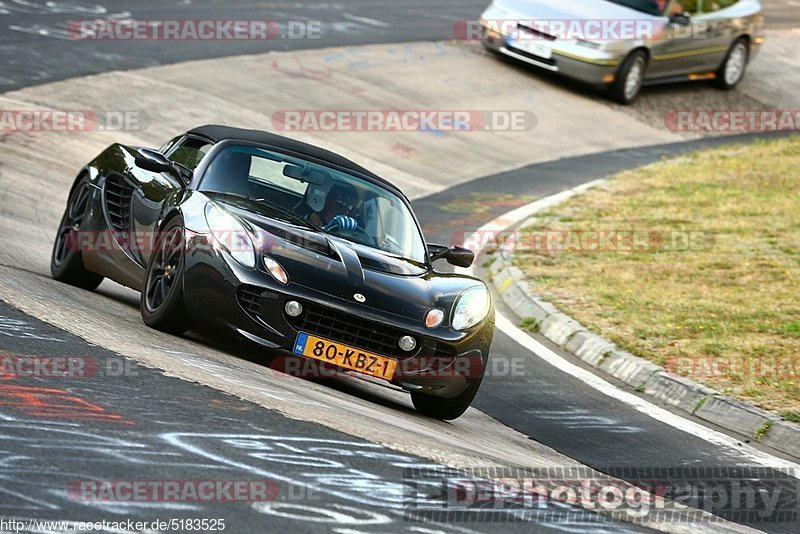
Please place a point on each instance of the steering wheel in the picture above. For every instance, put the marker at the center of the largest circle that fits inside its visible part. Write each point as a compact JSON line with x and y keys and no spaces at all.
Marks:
{"x":369,"y":239}
{"x":359,"y":235}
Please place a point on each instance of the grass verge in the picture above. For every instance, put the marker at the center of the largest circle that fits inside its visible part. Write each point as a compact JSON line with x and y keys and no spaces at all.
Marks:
{"x":703,"y":275}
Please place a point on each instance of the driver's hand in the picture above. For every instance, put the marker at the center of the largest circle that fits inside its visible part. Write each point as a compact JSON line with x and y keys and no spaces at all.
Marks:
{"x":341,"y":222}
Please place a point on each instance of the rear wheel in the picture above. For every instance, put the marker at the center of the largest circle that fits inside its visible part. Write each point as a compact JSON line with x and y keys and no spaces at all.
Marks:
{"x":446,"y":409}
{"x":161,"y":303}
{"x":629,"y":79}
{"x":66,"y":261}
{"x":732,"y":70}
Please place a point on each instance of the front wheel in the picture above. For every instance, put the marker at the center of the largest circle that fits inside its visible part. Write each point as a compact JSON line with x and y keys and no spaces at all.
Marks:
{"x":629,"y":80}
{"x":732,"y":70}
{"x":161,"y":303}
{"x":446,"y":409}
{"x":66,"y":260}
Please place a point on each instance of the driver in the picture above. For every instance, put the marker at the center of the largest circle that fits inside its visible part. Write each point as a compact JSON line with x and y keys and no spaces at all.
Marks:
{"x":675,"y":7}
{"x":338,"y":209}
{"x":669,"y":9}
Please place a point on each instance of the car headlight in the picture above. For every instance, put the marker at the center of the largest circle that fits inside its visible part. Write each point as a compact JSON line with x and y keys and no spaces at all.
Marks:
{"x":231,"y":235}
{"x":471,"y":307}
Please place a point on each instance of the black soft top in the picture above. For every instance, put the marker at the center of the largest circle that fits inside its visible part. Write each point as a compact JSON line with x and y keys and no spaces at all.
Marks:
{"x":217,"y":133}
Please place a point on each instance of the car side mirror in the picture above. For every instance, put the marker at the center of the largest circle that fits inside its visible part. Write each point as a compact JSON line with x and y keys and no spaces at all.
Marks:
{"x":681,"y":19}
{"x":154,"y":161}
{"x":457,"y":256}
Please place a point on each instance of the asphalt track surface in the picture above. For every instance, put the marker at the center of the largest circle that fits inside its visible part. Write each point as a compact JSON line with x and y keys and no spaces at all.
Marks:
{"x":37,"y":47}
{"x":143,"y":425}
{"x":556,"y":410}
{"x":127,"y":422}
{"x":553,"y":409}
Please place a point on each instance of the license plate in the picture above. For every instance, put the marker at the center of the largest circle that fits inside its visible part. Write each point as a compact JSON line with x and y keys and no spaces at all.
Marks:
{"x":351,"y":358}
{"x":533,"y":47}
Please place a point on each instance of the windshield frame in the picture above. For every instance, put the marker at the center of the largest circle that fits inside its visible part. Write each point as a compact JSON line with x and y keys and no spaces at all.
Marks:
{"x":219,"y":147}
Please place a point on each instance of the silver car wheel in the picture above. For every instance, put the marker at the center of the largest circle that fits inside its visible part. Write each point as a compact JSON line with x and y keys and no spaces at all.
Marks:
{"x":734,"y":68}
{"x":633,"y":82}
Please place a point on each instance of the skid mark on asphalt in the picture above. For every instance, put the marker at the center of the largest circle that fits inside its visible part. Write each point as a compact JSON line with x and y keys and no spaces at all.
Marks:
{"x":53,"y":403}
{"x":23,"y":330}
{"x":51,"y":440}
{"x":50,"y":8}
{"x":577,"y":418}
{"x":315,"y":473}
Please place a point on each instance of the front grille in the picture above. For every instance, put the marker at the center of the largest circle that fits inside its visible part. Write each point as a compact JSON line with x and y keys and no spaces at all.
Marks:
{"x":328,"y":323}
{"x":551,"y":61}
{"x":118,"y":193}
{"x":539,"y":33}
{"x":249,"y":299}
{"x":348,"y":329}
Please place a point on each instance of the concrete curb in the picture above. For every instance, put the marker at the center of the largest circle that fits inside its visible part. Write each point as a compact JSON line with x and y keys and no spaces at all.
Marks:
{"x":646,"y":377}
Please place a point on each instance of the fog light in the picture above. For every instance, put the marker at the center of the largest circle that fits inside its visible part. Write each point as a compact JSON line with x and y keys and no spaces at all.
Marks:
{"x":293,"y":308}
{"x":407,"y":343}
{"x":434,"y":318}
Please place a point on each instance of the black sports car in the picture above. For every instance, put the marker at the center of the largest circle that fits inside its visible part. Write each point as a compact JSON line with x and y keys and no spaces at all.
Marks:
{"x":286,"y":245}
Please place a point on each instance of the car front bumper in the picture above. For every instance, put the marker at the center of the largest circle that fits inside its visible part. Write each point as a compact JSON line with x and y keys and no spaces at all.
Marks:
{"x":568,"y":60}
{"x":224,"y":296}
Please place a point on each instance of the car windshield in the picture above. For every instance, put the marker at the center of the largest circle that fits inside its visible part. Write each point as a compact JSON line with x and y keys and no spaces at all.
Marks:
{"x":651,"y":7}
{"x":318,"y":196}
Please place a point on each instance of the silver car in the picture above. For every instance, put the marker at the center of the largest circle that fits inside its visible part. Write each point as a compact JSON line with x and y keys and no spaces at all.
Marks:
{"x":625,"y":44}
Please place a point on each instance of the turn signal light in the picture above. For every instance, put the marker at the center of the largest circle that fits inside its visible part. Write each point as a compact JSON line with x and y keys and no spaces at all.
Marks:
{"x":434,"y":318}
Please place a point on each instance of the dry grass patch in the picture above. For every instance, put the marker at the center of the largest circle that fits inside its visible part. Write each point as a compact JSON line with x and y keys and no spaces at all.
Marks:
{"x":726,"y":312}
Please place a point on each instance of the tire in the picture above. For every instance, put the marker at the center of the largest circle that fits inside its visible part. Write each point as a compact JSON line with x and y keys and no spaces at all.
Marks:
{"x":734,"y":66}
{"x":446,"y":409}
{"x":629,"y":79}
{"x":66,"y":259}
{"x":161,"y":303}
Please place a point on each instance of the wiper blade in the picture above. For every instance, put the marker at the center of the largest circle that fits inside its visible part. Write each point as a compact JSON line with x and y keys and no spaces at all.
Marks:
{"x":292,"y":216}
{"x":277,"y":208}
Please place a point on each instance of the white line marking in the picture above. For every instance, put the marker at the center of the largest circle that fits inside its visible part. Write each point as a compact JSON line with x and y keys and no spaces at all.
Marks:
{"x":367,"y":21}
{"x":639,"y":404}
{"x":589,"y":378}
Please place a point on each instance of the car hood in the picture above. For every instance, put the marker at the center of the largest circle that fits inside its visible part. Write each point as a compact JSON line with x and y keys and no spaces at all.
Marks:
{"x":564,"y":10}
{"x":342,"y":269}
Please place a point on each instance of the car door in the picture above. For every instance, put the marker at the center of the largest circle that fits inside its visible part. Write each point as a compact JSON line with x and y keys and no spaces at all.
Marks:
{"x":154,"y":188}
{"x":676,"y":52}
{"x":719,"y":34}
